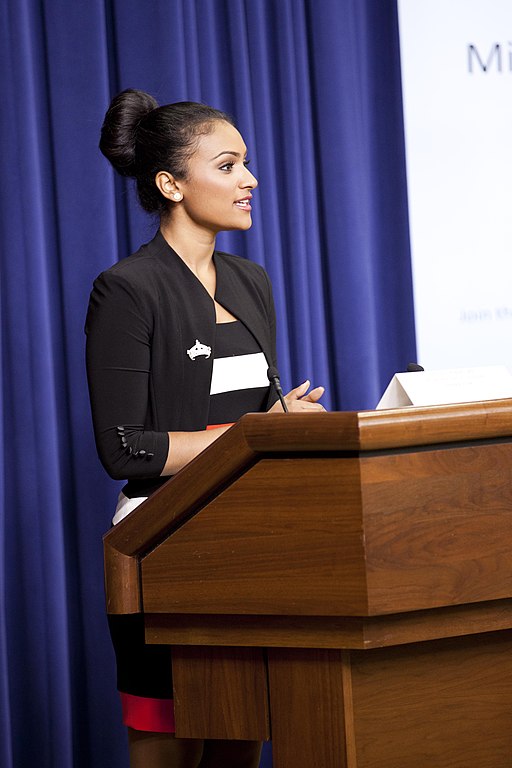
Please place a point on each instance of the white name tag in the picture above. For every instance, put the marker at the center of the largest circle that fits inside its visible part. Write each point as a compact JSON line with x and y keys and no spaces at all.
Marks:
{"x":456,"y":385}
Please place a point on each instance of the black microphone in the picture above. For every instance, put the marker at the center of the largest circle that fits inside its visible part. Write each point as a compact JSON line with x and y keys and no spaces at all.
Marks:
{"x":273,"y":377}
{"x":413,"y":367}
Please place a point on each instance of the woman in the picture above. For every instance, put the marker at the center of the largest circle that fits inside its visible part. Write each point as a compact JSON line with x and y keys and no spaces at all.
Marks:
{"x":179,"y":341}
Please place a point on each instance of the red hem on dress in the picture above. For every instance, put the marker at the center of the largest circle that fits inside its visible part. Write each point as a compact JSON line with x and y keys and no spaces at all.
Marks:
{"x":146,"y":714}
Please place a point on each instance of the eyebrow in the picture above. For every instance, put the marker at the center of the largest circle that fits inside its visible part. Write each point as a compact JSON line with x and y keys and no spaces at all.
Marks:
{"x":226,"y":152}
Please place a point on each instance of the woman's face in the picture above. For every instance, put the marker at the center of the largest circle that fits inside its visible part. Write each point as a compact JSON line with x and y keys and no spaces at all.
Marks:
{"x":217,"y":191}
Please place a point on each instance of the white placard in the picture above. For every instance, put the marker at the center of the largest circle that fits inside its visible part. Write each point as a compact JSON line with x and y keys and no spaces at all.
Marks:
{"x":457,"y":85}
{"x":459,"y":385}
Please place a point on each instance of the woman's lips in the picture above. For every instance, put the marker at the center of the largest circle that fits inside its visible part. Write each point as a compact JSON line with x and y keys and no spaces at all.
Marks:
{"x":245,"y":204}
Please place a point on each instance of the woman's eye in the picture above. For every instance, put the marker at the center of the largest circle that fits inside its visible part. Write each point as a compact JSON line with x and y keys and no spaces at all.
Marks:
{"x":226,"y":167}
{"x":246,"y":162}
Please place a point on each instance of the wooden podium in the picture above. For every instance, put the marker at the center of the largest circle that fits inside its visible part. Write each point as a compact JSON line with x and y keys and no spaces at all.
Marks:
{"x":338,"y":582}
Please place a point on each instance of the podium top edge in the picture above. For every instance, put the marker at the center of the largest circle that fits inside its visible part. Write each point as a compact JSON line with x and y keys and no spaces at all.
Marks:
{"x":377,"y":430}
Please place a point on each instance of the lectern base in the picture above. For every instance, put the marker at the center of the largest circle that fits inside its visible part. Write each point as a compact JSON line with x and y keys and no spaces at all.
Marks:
{"x":439,"y":704}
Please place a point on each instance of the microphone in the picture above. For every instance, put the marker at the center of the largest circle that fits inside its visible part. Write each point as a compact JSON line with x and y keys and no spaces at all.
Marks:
{"x":413,"y":367}
{"x":273,"y":377}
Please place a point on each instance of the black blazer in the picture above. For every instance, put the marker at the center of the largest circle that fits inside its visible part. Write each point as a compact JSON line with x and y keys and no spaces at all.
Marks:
{"x":144,"y":313}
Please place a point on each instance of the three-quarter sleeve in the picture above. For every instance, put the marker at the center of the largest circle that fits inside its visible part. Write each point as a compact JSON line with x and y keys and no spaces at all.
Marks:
{"x":119,"y":330}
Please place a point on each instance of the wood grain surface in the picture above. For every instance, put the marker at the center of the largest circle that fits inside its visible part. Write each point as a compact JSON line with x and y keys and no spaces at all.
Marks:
{"x":328,"y":631}
{"x":438,"y":527}
{"x":363,"y":536}
{"x":285,"y":538}
{"x":446,"y":704}
{"x":306,"y":689}
{"x":220,"y":693}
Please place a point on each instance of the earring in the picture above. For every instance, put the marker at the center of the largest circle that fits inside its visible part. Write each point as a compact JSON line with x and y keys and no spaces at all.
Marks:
{"x":177,"y":196}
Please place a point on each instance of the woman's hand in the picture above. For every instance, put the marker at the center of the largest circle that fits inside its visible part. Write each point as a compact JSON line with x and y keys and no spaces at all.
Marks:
{"x":299,"y":400}
{"x":184,"y":446}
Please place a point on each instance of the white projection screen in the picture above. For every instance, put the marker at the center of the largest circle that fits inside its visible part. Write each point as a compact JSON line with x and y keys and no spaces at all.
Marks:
{"x":457,"y":86}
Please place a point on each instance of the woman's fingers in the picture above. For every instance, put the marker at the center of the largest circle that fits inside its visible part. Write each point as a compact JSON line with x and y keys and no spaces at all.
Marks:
{"x":298,"y":392}
{"x":299,"y":399}
{"x":314,"y":395}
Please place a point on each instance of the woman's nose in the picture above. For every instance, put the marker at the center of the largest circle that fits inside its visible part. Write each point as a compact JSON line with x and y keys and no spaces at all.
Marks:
{"x":250,"y":180}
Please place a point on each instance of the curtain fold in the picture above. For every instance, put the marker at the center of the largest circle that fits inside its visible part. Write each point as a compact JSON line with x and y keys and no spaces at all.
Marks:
{"x":315,"y":90}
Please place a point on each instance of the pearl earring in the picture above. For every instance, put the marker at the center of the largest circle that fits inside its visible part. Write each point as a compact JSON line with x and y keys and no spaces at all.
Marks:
{"x":177,"y":196}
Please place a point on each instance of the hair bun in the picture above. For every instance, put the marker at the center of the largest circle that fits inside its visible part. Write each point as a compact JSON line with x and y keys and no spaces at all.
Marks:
{"x":119,"y":129}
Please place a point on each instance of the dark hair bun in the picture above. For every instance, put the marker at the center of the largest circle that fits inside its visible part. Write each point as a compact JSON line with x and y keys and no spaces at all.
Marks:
{"x":140,"y":139}
{"x":119,"y":129}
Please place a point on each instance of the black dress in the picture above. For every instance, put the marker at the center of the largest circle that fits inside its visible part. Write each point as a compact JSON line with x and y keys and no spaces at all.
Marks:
{"x":239,"y":385}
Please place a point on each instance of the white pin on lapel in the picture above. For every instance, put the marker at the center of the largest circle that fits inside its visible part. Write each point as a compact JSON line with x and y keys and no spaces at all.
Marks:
{"x":199,"y":349}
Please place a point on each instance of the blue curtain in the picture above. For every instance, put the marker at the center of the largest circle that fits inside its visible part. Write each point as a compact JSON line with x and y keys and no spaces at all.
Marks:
{"x":315,"y":89}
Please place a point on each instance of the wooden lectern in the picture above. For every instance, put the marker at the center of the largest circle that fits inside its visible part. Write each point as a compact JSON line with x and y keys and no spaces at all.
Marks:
{"x":338,"y":582}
